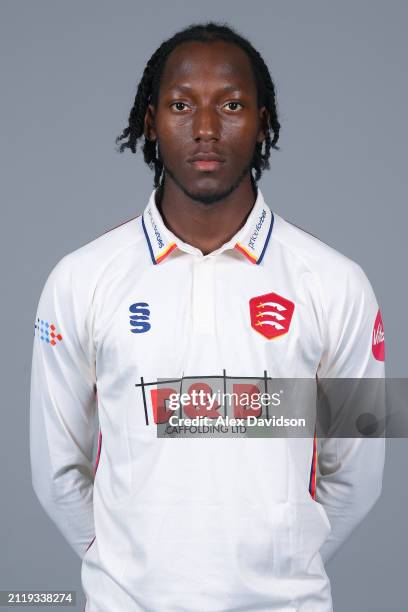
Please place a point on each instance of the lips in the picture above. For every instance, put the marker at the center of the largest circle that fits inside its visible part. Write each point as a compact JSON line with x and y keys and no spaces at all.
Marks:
{"x":206,"y":166}
{"x":206,"y":161}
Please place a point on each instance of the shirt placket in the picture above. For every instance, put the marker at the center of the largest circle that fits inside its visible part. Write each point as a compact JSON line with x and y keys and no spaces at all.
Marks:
{"x":203,"y":294}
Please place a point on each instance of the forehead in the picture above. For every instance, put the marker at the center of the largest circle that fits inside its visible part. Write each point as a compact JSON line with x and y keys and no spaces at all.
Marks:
{"x":192,"y":63}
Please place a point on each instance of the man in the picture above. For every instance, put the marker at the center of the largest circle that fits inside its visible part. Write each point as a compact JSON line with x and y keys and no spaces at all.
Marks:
{"x":208,"y":282}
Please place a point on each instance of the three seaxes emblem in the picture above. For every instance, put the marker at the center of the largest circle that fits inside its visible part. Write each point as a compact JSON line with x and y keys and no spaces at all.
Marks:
{"x":271,"y":314}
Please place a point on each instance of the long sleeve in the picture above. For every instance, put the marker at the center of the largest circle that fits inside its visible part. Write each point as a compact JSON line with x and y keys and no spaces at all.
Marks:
{"x":63,"y":406}
{"x":350,"y":469}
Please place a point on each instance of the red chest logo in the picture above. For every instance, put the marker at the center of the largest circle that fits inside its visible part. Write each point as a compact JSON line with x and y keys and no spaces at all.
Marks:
{"x":378,"y":344}
{"x":271,"y":314}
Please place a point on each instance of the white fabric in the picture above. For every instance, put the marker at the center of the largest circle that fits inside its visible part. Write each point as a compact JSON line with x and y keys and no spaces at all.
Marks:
{"x":198,"y":524}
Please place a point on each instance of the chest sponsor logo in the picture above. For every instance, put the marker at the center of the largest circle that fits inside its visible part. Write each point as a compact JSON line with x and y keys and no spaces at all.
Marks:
{"x":139,"y":317}
{"x":378,"y":342}
{"x":271,"y":314}
{"x":221,"y":401}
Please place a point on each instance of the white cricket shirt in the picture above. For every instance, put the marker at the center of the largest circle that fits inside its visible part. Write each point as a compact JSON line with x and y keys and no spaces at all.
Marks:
{"x":199,"y":524}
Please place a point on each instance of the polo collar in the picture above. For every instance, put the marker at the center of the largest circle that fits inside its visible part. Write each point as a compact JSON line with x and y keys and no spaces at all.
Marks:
{"x":251,"y":240}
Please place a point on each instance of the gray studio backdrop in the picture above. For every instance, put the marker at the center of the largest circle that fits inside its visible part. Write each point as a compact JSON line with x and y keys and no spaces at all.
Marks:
{"x":69,"y":72}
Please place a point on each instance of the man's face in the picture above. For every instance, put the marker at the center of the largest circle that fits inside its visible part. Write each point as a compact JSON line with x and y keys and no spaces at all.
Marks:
{"x":207,"y":107}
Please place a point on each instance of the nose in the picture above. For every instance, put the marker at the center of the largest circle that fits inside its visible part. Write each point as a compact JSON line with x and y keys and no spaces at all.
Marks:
{"x":206,"y":124}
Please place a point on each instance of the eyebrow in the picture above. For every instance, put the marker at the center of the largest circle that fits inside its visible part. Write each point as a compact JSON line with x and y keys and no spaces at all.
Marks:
{"x":186,"y":88}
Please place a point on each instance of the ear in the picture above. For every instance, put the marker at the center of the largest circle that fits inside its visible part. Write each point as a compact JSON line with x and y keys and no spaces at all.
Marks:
{"x":149,"y":123}
{"x":264,"y":122}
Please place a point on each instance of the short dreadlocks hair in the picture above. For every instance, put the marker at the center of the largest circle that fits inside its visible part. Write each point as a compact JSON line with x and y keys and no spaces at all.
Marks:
{"x":148,"y":90}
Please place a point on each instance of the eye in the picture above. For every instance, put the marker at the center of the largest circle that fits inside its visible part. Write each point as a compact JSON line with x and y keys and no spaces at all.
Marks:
{"x":234,"y":104}
{"x":178,"y":104}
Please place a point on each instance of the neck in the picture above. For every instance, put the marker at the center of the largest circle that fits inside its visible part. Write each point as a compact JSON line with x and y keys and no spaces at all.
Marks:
{"x":206,"y":227}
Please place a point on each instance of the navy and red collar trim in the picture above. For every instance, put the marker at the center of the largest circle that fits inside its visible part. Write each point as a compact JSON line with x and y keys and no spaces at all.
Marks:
{"x":251,"y":240}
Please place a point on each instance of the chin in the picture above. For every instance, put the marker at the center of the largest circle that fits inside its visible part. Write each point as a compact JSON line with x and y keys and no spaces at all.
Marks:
{"x":208,"y":194}
{"x":211,"y":192}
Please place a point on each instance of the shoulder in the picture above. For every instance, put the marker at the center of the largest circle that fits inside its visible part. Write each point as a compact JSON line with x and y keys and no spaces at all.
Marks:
{"x":76,"y":274}
{"x":89,"y":261}
{"x":337,"y":273}
{"x":114,"y":243}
